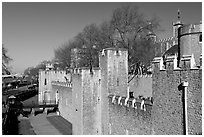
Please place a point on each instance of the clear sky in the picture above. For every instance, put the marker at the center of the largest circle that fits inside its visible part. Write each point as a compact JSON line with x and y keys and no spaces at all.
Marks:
{"x":31,"y":31}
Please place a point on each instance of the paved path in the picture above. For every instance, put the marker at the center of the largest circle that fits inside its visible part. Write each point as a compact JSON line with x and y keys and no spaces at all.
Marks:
{"x":42,"y":126}
{"x":61,"y":124}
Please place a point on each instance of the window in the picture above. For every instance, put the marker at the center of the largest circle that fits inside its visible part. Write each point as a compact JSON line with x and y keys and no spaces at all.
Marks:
{"x":131,"y":94}
{"x":200,"y":38}
{"x":117,"y":81}
{"x":45,"y":82}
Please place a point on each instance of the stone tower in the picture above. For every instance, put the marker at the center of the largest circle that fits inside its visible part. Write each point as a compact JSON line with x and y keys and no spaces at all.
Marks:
{"x":113,"y":63}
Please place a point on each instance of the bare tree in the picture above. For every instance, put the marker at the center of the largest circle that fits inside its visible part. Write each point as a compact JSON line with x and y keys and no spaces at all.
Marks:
{"x":126,"y":29}
{"x":5,"y":60}
{"x":132,"y":31}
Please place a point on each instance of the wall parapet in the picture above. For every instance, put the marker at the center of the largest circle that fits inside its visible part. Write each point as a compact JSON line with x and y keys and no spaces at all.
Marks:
{"x":191,"y":28}
{"x":162,"y":61}
{"x":76,"y":71}
{"x":64,"y":84}
{"x":141,"y":76}
{"x":131,"y":102}
{"x":117,"y":51}
{"x":167,"y":39}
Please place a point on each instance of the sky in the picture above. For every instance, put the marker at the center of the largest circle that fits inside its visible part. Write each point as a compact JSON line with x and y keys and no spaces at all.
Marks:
{"x":32,"y":31}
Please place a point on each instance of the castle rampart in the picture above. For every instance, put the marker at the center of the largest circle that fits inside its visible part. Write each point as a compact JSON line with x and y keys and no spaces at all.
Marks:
{"x":45,"y":79}
{"x":168,"y":94}
{"x":101,"y":101}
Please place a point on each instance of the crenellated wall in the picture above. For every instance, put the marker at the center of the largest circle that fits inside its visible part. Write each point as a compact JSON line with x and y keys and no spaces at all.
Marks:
{"x":131,"y":120}
{"x":78,"y":101}
{"x":121,"y":114}
{"x":114,"y":69}
{"x":45,"y":78}
{"x":98,"y":101}
{"x":168,"y":109}
{"x":87,"y":102}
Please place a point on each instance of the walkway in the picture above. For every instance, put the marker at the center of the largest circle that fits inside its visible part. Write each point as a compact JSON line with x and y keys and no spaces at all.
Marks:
{"x":42,"y":124}
{"x":61,"y":124}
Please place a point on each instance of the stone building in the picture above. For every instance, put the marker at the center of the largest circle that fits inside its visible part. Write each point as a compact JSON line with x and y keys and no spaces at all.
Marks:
{"x":45,"y":94}
{"x":100,"y":100}
{"x":177,"y":82}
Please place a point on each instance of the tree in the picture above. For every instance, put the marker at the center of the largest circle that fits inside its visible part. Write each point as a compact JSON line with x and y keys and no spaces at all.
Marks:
{"x":126,"y":29}
{"x":106,"y":35}
{"x":33,"y":71}
{"x":131,"y":31}
{"x":91,"y":44}
{"x":5,"y":60}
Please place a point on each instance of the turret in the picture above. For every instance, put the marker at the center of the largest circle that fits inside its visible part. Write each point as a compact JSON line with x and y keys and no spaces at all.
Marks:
{"x":177,"y":25}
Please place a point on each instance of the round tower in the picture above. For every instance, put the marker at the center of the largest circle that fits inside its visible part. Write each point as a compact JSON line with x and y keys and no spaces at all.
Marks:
{"x":191,"y":41}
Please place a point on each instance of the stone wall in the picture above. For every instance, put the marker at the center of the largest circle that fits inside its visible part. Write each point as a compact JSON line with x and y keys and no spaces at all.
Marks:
{"x":126,"y":120}
{"x":65,"y":101}
{"x":117,"y":117}
{"x":114,"y":69}
{"x":99,"y":103}
{"x":79,"y":103}
{"x":168,"y":108}
{"x":91,"y":102}
{"x":45,"y":86}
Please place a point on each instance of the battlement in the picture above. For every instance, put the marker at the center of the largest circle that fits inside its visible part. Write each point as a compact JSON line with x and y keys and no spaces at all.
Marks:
{"x":117,"y":51}
{"x":76,"y":71}
{"x":191,"y":28}
{"x":144,"y":76}
{"x":63,"y":84}
{"x":51,"y":71}
{"x":166,"y":40}
{"x":171,"y":62}
{"x":80,"y":70}
{"x":135,"y":103}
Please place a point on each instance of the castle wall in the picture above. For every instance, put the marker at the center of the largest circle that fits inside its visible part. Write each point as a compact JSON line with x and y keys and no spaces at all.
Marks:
{"x":91,"y":102}
{"x":128,"y":120}
{"x":118,"y":118}
{"x":77,"y":100}
{"x":45,"y":86}
{"x":65,"y":101}
{"x":141,"y":85}
{"x":97,"y":101}
{"x":113,"y":64}
{"x":70,"y":101}
{"x":168,"y":107}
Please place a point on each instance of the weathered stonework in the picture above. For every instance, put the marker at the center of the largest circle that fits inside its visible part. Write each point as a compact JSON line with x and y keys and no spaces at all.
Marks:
{"x":97,"y":100}
{"x":46,"y":95}
{"x":168,"y":109}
